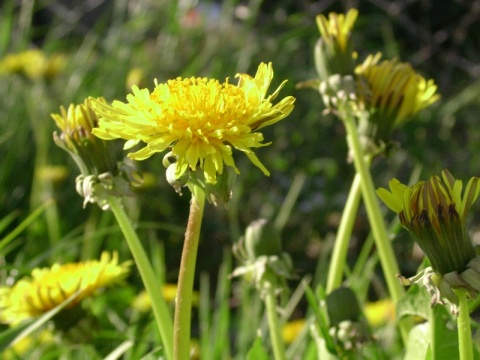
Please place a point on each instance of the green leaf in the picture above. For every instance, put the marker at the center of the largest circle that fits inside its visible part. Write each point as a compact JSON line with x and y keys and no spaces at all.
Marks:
{"x":418,"y":341}
{"x":416,"y":302}
{"x":257,"y":352}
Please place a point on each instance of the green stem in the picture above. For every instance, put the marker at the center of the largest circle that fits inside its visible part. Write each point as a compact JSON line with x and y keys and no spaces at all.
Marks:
{"x":382,"y":242}
{"x":183,"y":303}
{"x":159,"y":306}
{"x":273,"y":323}
{"x":335,"y":270}
{"x":465,"y":346}
{"x":433,"y":333}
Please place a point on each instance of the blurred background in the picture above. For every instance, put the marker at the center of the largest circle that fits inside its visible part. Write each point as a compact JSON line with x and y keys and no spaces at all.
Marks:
{"x":107,"y":46}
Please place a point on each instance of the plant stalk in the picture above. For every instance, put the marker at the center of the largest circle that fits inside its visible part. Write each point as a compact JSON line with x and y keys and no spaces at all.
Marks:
{"x":273,"y":323}
{"x":465,"y":345}
{"x":153,"y":287}
{"x":183,"y":302}
{"x":377,"y":224}
{"x":339,"y":254}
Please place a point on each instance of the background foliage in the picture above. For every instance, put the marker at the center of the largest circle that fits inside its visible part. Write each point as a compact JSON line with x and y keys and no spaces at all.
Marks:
{"x":104,"y":40}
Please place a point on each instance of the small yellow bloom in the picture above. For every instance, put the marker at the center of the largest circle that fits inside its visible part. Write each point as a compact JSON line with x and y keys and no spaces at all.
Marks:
{"x":334,"y":53}
{"x":143,"y":303}
{"x":292,"y":329}
{"x":380,"y":312}
{"x":392,"y":91}
{"x":33,"y":63}
{"x":337,"y":28}
{"x":47,"y":288}
{"x":30,"y":343}
{"x":200,"y":119}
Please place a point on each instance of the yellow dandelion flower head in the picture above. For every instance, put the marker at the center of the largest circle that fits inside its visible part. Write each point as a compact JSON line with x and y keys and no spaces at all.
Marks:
{"x":337,"y":28}
{"x":47,"y":288}
{"x":199,"y":118}
{"x":394,"y":89}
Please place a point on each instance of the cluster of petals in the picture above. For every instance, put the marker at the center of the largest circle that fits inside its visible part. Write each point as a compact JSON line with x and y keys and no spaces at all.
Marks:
{"x":47,"y":288}
{"x":200,"y":120}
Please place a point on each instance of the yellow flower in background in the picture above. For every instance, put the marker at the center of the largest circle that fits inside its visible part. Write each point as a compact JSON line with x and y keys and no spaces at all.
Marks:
{"x":334,"y":53}
{"x":380,"y":312}
{"x":337,"y":28}
{"x":33,"y":63}
{"x":47,"y":288}
{"x":143,"y":303}
{"x":292,"y":329}
{"x":199,"y":118}
{"x":392,"y":91}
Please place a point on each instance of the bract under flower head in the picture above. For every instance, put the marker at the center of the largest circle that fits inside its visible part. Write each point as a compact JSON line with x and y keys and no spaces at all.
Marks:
{"x":200,"y":119}
{"x":47,"y":288}
{"x":435,"y":213}
{"x":392,"y":92}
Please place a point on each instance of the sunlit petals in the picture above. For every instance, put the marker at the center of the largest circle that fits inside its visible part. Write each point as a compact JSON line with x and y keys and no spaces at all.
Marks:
{"x":47,"y":288}
{"x":200,"y":119}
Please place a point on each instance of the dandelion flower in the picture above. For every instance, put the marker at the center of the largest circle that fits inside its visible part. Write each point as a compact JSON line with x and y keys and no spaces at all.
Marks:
{"x":435,"y":212}
{"x":200,"y":119}
{"x":47,"y":288}
{"x":392,"y":92}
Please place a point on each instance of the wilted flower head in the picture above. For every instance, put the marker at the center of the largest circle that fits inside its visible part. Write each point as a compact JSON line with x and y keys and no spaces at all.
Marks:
{"x":333,"y":52}
{"x":101,"y":175}
{"x":47,"y":288}
{"x":198,"y":118}
{"x":391,"y":91}
{"x":32,"y":63}
{"x":435,"y":212}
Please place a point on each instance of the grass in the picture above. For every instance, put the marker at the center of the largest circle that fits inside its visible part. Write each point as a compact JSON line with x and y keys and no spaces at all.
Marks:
{"x":307,"y":160}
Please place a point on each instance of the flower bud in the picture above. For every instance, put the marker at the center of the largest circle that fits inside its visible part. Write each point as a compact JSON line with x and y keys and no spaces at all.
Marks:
{"x":261,"y":238}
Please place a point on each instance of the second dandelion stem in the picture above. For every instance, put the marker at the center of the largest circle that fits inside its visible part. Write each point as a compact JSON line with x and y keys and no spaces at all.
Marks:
{"x":380,"y":234}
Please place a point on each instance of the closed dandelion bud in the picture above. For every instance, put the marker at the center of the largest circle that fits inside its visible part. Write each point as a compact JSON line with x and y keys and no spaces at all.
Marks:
{"x":333,"y":51}
{"x":101,"y":176}
{"x":435,"y":212}
{"x":261,"y":238}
